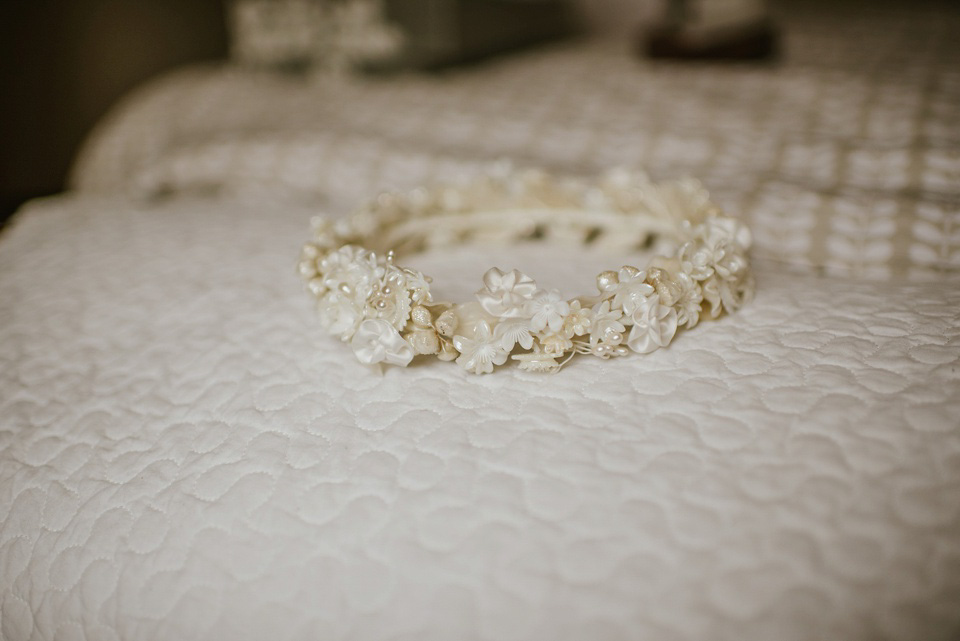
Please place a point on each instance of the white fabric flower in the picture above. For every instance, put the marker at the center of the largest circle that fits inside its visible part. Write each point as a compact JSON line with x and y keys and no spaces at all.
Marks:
{"x":719,"y":246}
{"x":710,"y":289}
{"x":419,"y":286}
{"x":688,"y":300}
{"x":717,"y":258}
{"x":697,"y":259}
{"x":733,"y":263}
{"x":728,"y":294}
{"x":513,"y":331}
{"x":377,"y":341}
{"x":505,"y":293}
{"x":480,"y":353}
{"x":578,"y":321}
{"x":631,"y":289}
{"x":351,"y":271}
{"x":680,"y":291}
{"x":547,"y":309}
{"x":653,"y":326}
{"x":735,"y":292}
{"x":555,"y":344}
{"x":339,"y":314}
{"x":606,"y":325}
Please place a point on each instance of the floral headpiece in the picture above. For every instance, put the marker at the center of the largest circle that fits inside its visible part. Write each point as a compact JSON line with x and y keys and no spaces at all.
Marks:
{"x":387,"y":314}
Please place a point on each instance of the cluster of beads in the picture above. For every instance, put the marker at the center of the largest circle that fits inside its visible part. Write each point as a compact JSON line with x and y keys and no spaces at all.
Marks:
{"x":388,"y":315}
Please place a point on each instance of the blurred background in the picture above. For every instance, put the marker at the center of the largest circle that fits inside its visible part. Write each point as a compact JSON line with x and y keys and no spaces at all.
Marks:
{"x":63,"y":63}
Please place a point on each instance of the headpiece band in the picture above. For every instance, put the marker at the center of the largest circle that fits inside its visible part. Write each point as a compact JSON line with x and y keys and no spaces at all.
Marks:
{"x":388,"y":315}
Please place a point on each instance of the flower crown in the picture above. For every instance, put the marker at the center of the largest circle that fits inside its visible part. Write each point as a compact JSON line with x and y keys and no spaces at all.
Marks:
{"x":388,"y":315}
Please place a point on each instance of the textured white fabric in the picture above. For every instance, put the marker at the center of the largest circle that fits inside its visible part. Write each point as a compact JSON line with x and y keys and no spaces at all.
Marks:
{"x":184,"y":455}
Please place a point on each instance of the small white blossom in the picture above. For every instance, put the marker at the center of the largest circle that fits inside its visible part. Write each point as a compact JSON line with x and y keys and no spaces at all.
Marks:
{"x":710,"y":289}
{"x":555,"y":344}
{"x":717,"y":258}
{"x":505,"y":293}
{"x":480,"y":353}
{"x":377,"y":341}
{"x":680,"y":291}
{"x":351,"y":271}
{"x":339,"y":314}
{"x":513,"y":331}
{"x":687,"y":300}
{"x":547,"y":309}
{"x":606,"y":325}
{"x":419,"y":286}
{"x":631,"y":289}
{"x":732,"y":264}
{"x":578,"y":321}
{"x":736,"y":292}
{"x":697,"y":259}
{"x":653,"y":326}
{"x":727,"y":294}
{"x":719,"y":246}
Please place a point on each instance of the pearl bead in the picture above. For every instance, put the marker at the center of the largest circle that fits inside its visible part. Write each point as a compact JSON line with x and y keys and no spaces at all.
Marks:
{"x":387,"y":289}
{"x":606,"y":281}
{"x":381,"y":304}
{"x":345,"y":288}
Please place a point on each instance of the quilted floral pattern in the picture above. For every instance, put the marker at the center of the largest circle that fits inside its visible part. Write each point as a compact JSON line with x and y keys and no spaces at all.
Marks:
{"x":184,"y":455}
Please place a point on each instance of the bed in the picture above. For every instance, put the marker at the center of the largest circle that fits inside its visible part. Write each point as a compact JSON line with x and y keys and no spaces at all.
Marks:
{"x":183,"y":454}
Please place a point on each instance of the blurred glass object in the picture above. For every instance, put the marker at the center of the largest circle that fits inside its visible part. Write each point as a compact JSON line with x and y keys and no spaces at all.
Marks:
{"x":386,"y":34}
{"x":712,"y":29}
{"x":301,"y":34}
{"x":444,"y":32}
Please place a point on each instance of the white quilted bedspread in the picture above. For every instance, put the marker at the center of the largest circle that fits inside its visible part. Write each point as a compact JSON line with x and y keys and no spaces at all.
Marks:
{"x":183,"y":455}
